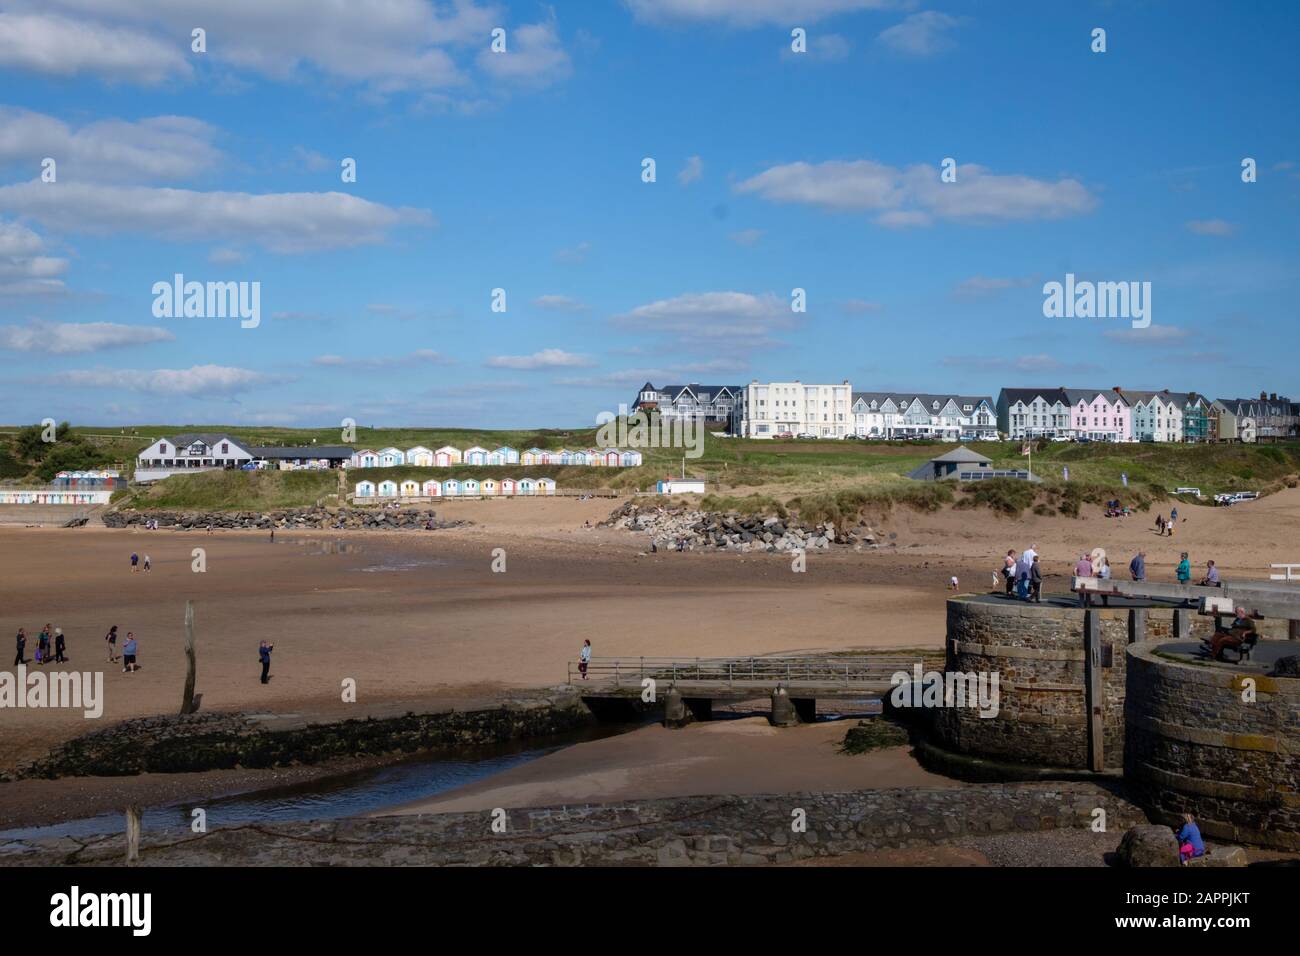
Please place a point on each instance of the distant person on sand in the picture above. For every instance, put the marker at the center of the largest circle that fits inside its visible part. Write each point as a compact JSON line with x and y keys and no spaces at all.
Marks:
{"x":22,"y":647}
{"x":1211,"y":579}
{"x":952,"y":583}
{"x":1184,"y":570}
{"x":584,"y":658}
{"x":59,"y":646}
{"x":146,"y":562}
{"x":135,"y":562}
{"x":128,"y":654}
{"x":1190,"y":843}
{"x":1160,"y":525}
{"x":1138,"y":566}
{"x":111,"y":638}
{"x":264,"y":655}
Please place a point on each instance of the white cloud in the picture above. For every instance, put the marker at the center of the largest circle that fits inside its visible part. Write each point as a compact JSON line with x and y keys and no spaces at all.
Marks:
{"x":1211,"y":227}
{"x":692,"y":171}
{"x":418,"y":357}
{"x":1151,"y":335}
{"x":533,"y":57}
{"x":55,"y":45}
{"x":546,"y":358}
{"x":67,"y":338}
{"x":748,"y":13}
{"x":574,"y":255}
{"x":559,"y":303}
{"x":916,"y":196}
{"x":743,"y":320}
{"x":23,"y":268}
{"x":196,"y":380}
{"x":281,"y":222}
{"x":689,"y":372}
{"x":979,"y":286}
{"x":156,"y":148}
{"x":389,"y":47}
{"x":921,"y":34}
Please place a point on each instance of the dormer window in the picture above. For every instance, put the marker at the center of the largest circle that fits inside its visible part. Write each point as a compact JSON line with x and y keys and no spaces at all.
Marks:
{"x":162,"y":448}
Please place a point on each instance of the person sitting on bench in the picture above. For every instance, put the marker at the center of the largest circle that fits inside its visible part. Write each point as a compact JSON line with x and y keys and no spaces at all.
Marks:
{"x":1211,"y":579}
{"x":1241,"y":630}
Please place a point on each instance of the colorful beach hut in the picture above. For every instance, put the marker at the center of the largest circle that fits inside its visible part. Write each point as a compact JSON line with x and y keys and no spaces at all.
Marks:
{"x":578,"y":457}
{"x":421,"y":456}
{"x":488,"y":486}
{"x":509,"y":456}
{"x":546,"y":486}
{"x":446,"y":456}
{"x":469,"y":487}
{"x":476,"y":455}
{"x":391,"y":457}
{"x":433,"y":488}
{"x":527,"y":486}
{"x":366,"y":459}
{"x":631,"y":459}
{"x":507,"y":486}
{"x":613,"y":458}
{"x":496,"y":458}
{"x":410,"y":488}
{"x":388,"y":489}
{"x":450,"y":488}
{"x":531,"y":457}
{"x":365,"y":489}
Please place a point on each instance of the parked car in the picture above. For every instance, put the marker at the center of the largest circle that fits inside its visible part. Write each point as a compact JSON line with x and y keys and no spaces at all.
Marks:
{"x":786,"y":435}
{"x":1188,"y":491}
{"x":805,"y":435}
{"x":1232,"y":497}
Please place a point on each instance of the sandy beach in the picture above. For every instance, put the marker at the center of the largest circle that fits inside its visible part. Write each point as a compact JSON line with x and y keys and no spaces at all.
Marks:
{"x":419,"y":619}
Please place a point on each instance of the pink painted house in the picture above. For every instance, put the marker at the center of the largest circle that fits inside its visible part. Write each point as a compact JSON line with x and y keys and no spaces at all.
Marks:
{"x":1100,"y":414}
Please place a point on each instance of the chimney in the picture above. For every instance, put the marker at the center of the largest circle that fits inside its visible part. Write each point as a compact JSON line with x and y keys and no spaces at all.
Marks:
{"x":1263,"y":395}
{"x":1272,"y":397}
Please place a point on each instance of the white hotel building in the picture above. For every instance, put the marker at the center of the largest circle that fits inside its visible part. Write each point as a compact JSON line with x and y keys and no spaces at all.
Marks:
{"x":772,"y":409}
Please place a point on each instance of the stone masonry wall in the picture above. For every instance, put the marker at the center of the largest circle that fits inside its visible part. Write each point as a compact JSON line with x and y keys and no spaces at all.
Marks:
{"x":1197,"y":744}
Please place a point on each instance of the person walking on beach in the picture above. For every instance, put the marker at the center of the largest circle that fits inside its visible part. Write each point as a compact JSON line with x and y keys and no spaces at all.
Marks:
{"x":146,"y":562}
{"x":1173,"y":520}
{"x":135,"y":562}
{"x":111,"y":639}
{"x":584,"y":658}
{"x":1160,"y":525}
{"x":1184,"y":570}
{"x":59,"y":646}
{"x":264,"y":655}
{"x":128,"y":654}
{"x":43,"y":646}
{"x":19,"y":658}
{"x":1035,"y":582}
{"x":1138,"y":566}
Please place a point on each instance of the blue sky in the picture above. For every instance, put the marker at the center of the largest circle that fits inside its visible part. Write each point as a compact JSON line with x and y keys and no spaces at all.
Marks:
{"x":522,"y":171}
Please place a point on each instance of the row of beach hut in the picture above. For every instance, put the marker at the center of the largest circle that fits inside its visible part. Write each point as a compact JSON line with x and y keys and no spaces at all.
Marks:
{"x":447,"y":456}
{"x":467,"y":487}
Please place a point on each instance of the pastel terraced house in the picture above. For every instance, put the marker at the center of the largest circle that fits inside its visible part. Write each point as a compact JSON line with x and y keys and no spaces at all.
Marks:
{"x":1157,"y":416}
{"x":1099,"y":414}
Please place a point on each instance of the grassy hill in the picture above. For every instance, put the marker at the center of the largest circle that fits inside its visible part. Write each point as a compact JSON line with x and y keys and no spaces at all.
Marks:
{"x":815,"y":474}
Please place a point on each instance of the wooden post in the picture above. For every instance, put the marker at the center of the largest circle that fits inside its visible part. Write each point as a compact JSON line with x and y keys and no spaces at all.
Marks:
{"x":1137,"y":625}
{"x":133,"y":825}
{"x":1182,"y":623}
{"x":1093,"y":699}
{"x":1293,"y":629}
{"x":188,"y":705}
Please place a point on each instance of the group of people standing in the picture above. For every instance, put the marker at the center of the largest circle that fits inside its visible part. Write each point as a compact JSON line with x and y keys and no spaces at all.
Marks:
{"x":1022,"y":575}
{"x":130,"y":647}
{"x":50,"y":646}
{"x":1164,"y":527}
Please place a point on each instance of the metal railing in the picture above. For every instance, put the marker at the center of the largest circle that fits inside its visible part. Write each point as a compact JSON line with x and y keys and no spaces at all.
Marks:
{"x":831,"y":671}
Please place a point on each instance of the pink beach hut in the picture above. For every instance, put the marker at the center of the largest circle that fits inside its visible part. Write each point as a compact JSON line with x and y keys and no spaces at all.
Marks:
{"x":507,"y":486}
{"x":432,"y":488}
{"x":613,"y":458}
{"x":446,"y":456}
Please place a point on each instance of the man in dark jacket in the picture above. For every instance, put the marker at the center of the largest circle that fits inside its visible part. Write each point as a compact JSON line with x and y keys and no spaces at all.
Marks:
{"x":22,"y":647}
{"x":1035,"y":582}
{"x":264,"y":655}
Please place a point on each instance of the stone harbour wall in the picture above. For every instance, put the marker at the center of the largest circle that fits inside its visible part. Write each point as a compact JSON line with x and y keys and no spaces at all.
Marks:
{"x":684,"y":831}
{"x":1198,"y":743}
{"x":221,"y":741}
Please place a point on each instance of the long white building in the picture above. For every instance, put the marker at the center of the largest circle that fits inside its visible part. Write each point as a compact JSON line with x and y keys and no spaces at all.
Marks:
{"x":922,"y":415}
{"x":777,"y":409}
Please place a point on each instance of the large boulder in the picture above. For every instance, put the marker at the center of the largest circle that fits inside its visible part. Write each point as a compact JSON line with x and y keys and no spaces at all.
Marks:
{"x":1220,"y":856}
{"x":1149,"y":845}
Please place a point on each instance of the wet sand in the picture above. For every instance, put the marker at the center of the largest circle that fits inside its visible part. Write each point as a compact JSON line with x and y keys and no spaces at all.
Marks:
{"x":733,"y":756}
